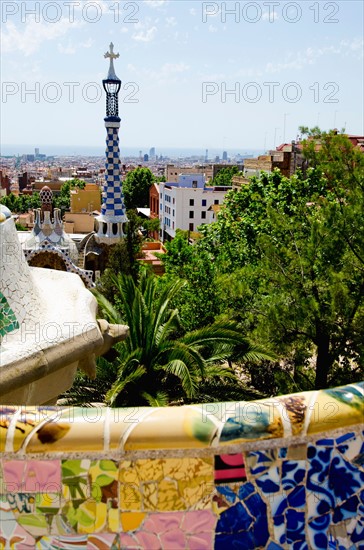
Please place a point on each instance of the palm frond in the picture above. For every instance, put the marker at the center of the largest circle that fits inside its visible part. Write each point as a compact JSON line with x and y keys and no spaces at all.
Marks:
{"x":187,"y":376}
{"x":220,"y":371}
{"x":163,"y":303}
{"x":166,"y":330}
{"x":161,"y":399}
{"x":121,"y":383}
{"x":107,"y":309}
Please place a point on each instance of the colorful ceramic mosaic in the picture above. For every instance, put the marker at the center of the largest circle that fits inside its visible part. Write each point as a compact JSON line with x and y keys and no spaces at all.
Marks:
{"x":8,"y":320}
{"x":285,"y":473}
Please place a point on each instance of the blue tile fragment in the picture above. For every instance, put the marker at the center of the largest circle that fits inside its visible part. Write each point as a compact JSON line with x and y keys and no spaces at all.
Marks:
{"x":227,"y":492}
{"x":326,"y":442}
{"x":347,"y":510}
{"x":282,"y":453}
{"x":320,"y":540}
{"x":234,"y":520}
{"x":245,"y":490}
{"x":297,"y":497}
{"x":235,"y":541}
{"x":345,"y":437}
{"x":295,"y":522}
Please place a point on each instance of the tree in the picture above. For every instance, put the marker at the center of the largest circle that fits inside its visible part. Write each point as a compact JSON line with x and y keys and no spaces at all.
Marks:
{"x":224,"y":176}
{"x":123,"y":257}
{"x":298,"y":247}
{"x":150,"y":226}
{"x":197,"y":302}
{"x":19,"y":204}
{"x":156,"y":364}
{"x":136,"y":188}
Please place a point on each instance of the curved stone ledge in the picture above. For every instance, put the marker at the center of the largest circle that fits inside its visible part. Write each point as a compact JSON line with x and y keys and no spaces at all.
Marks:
{"x":295,"y":417}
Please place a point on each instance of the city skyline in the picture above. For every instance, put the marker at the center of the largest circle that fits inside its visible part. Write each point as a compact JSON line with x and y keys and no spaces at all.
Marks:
{"x":196,"y":75}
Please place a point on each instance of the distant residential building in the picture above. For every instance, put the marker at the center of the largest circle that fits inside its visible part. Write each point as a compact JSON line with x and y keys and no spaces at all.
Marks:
{"x":287,"y":157}
{"x":187,"y":204}
{"x":172,"y":171}
{"x":154,"y":205}
{"x":357,"y":141}
{"x":23,"y":181}
{"x":84,"y":203}
{"x":4,"y":183}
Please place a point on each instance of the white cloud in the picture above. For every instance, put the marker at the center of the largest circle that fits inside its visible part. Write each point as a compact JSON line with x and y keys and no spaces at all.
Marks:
{"x":171,"y":21}
{"x":70,"y":49}
{"x":212,"y":28}
{"x":309,"y":56}
{"x":192,"y":11}
{"x":172,"y":68}
{"x":155,"y":3}
{"x":356,"y":45}
{"x":145,"y":36}
{"x":31,"y":36}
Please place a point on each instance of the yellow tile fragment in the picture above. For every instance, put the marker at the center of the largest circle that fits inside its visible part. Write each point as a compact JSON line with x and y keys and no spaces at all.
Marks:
{"x":130,"y":521}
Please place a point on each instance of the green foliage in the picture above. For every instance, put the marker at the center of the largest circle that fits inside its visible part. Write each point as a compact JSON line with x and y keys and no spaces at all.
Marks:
{"x":123,"y":258}
{"x":20,"y":204}
{"x":157,"y":364}
{"x":178,"y":256}
{"x":224,"y":176}
{"x":197,"y":302}
{"x":136,"y":188}
{"x":20,"y":227}
{"x":151,"y":225}
{"x":291,"y":253}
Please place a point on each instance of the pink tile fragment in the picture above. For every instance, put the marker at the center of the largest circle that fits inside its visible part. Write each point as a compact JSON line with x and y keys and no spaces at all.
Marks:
{"x":32,"y":476}
{"x":165,"y":521}
{"x":199,"y":521}
{"x":202,"y":541}
{"x":148,"y":540}
{"x":173,"y":540}
{"x":128,"y":542}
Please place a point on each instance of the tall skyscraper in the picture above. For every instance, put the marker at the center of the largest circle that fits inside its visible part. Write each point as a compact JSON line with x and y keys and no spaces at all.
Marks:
{"x":110,"y":225}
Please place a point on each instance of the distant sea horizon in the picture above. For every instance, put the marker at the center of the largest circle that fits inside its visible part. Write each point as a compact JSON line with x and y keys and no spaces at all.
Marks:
{"x":99,"y":151}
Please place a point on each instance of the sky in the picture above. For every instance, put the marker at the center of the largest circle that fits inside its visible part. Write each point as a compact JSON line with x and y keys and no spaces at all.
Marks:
{"x":225,"y":75}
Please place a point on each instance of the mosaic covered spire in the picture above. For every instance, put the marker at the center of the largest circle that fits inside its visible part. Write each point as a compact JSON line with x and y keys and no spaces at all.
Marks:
{"x":113,"y":216}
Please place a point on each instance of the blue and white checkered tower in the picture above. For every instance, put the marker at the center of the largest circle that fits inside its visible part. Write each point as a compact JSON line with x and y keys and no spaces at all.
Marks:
{"x":110,"y":225}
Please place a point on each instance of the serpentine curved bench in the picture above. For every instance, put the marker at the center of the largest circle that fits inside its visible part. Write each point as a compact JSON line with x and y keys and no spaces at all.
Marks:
{"x":285,"y":472}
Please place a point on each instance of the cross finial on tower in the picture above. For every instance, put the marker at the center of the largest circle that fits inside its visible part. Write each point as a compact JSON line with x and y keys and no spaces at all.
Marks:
{"x":111,"y":55}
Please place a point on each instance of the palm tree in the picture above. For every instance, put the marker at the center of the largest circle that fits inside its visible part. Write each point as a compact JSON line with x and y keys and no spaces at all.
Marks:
{"x":156,"y":365}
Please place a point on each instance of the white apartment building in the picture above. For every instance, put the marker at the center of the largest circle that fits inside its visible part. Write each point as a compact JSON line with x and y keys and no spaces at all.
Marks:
{"x":187,"y":204}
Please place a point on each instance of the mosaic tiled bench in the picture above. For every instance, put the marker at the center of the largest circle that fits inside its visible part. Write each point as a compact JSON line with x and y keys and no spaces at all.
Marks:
{"x":285,"y":473}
